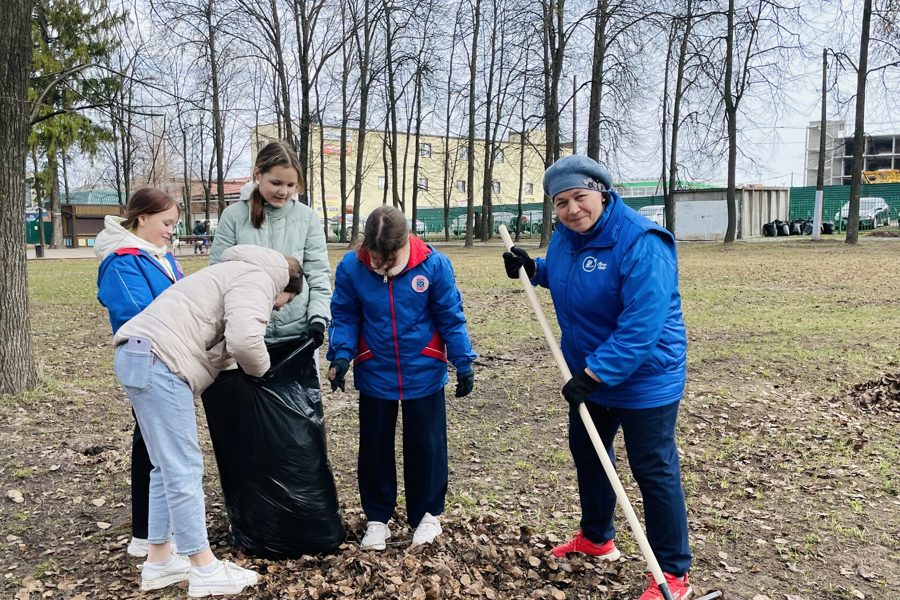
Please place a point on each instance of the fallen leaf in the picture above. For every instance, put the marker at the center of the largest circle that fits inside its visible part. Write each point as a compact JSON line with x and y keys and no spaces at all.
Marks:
{"x":16,"y":496}
{"x":103,"y":525}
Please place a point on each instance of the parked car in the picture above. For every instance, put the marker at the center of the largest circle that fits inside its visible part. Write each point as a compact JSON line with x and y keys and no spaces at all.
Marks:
{"x":336,"y":224}
{"x":873,"y":212}
{"x":458,"y":224}
{"x":420,"y":226}
{"x":654,"y":212}
{"x":502,"y":218}
{"x":531,"y":220}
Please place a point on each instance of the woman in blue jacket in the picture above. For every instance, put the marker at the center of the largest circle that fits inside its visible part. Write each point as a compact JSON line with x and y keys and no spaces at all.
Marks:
{"x":613,"y":278}
{"x":136,"y":267}
{"x":397,"y":314}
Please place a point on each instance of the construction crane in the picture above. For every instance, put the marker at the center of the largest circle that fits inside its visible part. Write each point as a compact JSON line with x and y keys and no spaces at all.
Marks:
{"x":883,"y":176}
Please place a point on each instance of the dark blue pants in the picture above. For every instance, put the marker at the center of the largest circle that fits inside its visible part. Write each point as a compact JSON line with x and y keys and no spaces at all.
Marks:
{"x":650,"y":444}
{"x":424,"y":456}
{"x":140,"y":483}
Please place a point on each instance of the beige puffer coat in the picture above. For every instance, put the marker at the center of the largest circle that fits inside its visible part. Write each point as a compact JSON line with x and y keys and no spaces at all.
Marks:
{"x":220,"y":313}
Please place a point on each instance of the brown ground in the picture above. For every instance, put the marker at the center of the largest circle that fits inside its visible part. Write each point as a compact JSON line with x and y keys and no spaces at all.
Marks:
{"x":790,"y":474}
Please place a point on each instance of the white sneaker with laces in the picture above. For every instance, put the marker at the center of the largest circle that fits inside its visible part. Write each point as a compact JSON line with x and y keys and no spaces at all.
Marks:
{"x":377,"y":535}
{"x":140,"y":547}
{"x":226,"y":578}
{"x":428,"y":529}
{"x":155,"y":577}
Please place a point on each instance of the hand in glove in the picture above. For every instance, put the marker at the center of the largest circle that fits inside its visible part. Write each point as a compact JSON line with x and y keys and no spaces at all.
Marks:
{"x":337,"y":371}
{"x":464,"y":383}
{"x":516,"y":258}
{"x":577,"y":389}
{"x":317,"y":332}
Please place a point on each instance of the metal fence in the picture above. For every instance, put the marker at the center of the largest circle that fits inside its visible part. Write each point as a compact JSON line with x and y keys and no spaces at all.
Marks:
{"x":803,"y":199}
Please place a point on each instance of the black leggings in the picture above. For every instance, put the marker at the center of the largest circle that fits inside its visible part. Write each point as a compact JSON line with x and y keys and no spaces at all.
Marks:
{"x":140,"y":484}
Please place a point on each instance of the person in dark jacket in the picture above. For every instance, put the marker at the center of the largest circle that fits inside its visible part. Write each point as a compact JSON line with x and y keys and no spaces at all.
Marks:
{"x":397,"y":314}
{"x":613,"y":278}
{"x":136,"y":267}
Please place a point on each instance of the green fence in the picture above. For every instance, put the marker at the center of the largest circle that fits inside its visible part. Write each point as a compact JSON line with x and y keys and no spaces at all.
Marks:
{"x":803,"y":199}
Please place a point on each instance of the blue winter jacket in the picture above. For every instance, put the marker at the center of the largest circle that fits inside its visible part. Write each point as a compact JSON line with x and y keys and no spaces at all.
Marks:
{"x":399,"y":331}
{"x":128,"y":281}
{"x":615,"y":290}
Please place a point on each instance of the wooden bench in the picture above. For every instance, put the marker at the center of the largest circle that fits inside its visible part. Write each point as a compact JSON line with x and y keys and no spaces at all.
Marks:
{"x":189,"y":241}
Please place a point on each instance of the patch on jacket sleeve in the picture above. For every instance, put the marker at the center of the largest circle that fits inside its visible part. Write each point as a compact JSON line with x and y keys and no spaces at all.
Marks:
{"x":420,"y":283}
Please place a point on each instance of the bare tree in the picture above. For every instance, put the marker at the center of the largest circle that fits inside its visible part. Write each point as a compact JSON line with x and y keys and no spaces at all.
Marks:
{"x":18,"y":371}
{"x":470,"y":146}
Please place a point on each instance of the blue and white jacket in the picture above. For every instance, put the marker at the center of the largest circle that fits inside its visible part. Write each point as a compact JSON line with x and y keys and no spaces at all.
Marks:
{"x":399,"y":331}
{"x":615,"y":291}
{"x":130,"y":277}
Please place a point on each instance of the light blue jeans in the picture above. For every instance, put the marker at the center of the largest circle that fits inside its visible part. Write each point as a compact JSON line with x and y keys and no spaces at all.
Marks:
{"x":164,"y":406}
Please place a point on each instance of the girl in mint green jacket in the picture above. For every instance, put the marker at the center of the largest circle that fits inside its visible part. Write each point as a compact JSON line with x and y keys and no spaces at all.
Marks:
{"x":272,"y":217}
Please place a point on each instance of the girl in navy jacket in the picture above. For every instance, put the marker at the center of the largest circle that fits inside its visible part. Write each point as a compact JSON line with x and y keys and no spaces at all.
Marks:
{"x":613,"y":277}
{"x":397,"y":314}
{"x":136,"y":267}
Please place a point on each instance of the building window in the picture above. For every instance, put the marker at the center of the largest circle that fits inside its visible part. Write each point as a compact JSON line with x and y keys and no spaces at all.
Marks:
{"x":499,"y":157}
{"x":529,"y":189}
{"x":423,"y":184}
{"x":461,"y":186}
{"x":495,"y":186}
{"x":425,"y":150}
{"x":382,"y":183}
{"x":462,"y":153}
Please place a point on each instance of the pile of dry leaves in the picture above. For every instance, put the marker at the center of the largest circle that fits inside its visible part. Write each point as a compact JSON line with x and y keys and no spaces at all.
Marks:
{"x":880,"y":396}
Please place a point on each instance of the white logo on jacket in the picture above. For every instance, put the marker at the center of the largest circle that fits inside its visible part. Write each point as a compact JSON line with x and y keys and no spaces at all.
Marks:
{"x":420,"y":283}
{"x":590,"y":263}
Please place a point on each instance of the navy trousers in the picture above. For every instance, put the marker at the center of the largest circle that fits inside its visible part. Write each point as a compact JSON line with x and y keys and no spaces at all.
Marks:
{"x":653,"y":458}
{"x":140,"y":484}
{"x":424,"y":456}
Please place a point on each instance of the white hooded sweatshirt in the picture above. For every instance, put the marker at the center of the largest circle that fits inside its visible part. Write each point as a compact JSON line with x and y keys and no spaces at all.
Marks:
{"x":114,"y":236}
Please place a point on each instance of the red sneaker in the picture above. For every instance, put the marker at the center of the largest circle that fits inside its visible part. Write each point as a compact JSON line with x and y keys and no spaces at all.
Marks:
{"x":582,"y":545}
{"x":679,"y":588}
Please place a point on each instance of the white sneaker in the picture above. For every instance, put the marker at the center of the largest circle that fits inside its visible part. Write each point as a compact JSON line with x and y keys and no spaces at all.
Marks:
{"x":154,"y":577}
{"x":226,"y":578}
{"x":140,"y":548}
{"x":428,"y":529}
{"x":377,"y":535}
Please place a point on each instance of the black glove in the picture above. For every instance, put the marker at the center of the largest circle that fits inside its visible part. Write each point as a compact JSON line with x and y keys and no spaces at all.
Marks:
{"x":577,"y":389}
{"x":336,"y":373}
{"x":464,"y":383}
{"x":516,"y":258}
{"x":317,"y":332}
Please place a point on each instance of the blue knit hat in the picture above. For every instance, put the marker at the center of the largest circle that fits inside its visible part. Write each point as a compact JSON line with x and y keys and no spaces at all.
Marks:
{"x":576,"y":172}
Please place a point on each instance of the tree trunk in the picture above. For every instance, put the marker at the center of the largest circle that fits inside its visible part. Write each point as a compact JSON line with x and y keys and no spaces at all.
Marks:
{"x":418,"y":137}
{"x":392,"y":105}
{"x":487,"y":183}
{"x":218,"y":133}
{"x":859,"y":126}
{"x":676,"y":120}
{"x":301,"y":23}
{"x":731,"y":120}
{"x":554,"y":50}
{"x":18,"y":371}
{"x":56,"y":240}
{"x":345,"y":117}
{"x":364,"y":51}
{"x":470,"y":148}
{"x":597,"y":72}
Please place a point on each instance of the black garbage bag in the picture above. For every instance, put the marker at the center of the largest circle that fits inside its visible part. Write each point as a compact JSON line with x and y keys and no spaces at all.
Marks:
{"x":269,"y":440}
{"x":807,"y":227}
{"x":795,"y":227}
{"x":782,"y":228}
{"x":827,"y":228}
{"x":769,"y":230}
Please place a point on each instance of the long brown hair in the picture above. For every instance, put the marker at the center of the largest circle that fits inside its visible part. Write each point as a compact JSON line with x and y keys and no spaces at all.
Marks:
{"x":386,"y":231}
{"x":273,"y":154}
{"x":146,"y":201}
